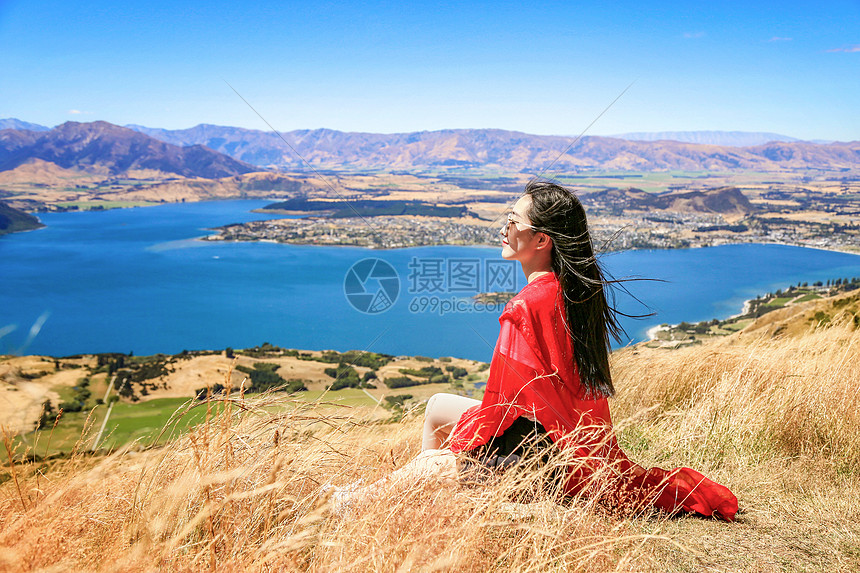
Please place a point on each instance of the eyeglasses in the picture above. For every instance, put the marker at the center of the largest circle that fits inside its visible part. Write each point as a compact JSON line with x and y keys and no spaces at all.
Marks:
{"x":510,"y":219}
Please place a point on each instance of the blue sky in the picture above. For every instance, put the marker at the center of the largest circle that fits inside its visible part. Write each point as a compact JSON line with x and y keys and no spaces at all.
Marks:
{"x":538,"y":67}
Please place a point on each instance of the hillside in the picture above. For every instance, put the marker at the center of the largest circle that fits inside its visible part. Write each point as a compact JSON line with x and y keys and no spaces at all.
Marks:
{"x":507,"y":150}
{"x":796,"y":319}
{"x":773,"y":418}
{"x":107,"y":149}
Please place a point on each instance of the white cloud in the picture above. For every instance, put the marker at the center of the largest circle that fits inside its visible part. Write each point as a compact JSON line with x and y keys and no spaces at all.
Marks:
{"x":79,"y":112}
{"x":854,"y":48}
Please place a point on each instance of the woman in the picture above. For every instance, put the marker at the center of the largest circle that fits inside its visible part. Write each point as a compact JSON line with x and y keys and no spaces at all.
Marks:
{"x":550,"y":376}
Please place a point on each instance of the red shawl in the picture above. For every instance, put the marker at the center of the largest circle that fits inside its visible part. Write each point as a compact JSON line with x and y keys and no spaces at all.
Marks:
{"x":533,"y":374}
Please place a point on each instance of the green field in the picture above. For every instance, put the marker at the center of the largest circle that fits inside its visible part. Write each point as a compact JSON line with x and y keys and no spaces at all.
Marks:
{"x":808,"y":296}
{"x":142,"y":423}
{"x":737,"y":325}
{"x":148,"y":423}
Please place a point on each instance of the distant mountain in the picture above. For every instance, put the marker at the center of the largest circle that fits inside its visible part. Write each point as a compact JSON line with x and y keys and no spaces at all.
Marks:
{"x":101,"y":147}
{"x":12,"y":123}
{"x":500,"y":149}
{"x":724,"y":138}
{"x":13,"y":220}
{"x":249,"y":145}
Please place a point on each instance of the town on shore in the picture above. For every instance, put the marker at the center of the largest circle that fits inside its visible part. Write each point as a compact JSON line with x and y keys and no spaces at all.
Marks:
{"x":614,"y":228}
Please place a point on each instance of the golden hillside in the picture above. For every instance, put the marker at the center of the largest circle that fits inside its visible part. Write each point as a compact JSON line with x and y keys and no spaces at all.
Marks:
{"x":775,"y":418}
{"x":797,"y":319}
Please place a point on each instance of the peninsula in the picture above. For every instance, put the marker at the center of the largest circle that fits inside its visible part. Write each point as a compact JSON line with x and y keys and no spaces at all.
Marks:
{"x":14,"y":220}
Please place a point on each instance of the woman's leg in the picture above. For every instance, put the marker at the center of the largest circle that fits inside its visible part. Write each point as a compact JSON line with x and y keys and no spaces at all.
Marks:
{"x":440,"y":417}
{"x":439,"y":465}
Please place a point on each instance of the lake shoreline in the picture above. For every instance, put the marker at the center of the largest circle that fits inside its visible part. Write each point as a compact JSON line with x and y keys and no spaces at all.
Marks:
{"x":158,"y":289}
{"x":753,"y":309}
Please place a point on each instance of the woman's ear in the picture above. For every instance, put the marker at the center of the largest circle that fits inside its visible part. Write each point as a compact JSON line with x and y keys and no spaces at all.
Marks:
{"x":544,"y":241}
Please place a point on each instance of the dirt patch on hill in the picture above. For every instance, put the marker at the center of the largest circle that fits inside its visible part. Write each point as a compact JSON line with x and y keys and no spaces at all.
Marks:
{"x":21,"y":404}
{"x":26,"y":382}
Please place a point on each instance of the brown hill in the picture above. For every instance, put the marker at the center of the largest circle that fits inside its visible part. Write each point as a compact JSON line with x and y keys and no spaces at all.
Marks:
{"x":45,"y":173}
{"x":724,"y":200}
{"x":104,"y":148}
{"x":797,"y":155}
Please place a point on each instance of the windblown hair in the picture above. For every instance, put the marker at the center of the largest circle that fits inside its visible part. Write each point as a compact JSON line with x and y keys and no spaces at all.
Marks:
{"x":590,"y":319}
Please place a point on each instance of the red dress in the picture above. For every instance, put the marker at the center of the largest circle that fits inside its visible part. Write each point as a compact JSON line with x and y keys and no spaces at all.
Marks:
{"x":533,"y":374}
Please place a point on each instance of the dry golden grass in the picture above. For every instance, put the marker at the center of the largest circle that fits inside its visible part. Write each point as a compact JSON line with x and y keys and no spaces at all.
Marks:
{"x":776,"y":420}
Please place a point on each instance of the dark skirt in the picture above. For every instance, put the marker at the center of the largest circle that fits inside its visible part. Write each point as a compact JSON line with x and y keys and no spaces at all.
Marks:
{"x":522,"y":441}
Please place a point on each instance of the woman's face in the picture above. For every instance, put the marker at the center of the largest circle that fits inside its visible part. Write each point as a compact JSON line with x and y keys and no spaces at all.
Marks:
{"x":517,"y":234}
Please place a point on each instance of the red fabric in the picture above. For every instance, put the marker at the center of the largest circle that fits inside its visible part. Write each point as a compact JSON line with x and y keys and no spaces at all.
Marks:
{"x":533,"y":373}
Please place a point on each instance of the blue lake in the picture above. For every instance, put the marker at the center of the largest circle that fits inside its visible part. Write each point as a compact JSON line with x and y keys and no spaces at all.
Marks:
{"x":138,"y":280}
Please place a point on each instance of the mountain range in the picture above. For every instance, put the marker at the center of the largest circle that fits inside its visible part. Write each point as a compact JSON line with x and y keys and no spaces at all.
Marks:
{"x":729,"y":138}
{"x":503,"y":150}
{"x":212,"y":151}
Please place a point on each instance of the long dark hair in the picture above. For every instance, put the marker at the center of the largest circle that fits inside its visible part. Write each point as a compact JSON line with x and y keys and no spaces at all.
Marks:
{"x":590,"y":319}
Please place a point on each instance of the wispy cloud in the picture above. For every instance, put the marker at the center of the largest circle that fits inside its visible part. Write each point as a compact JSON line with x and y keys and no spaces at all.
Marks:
{"x":854,"y":48}
{"x":693,"y":35}
{"x":79,"y":112}
{"x":780,"y":39}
